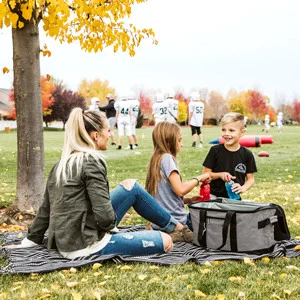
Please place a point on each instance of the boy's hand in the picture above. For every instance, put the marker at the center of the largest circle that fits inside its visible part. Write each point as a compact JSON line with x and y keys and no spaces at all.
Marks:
{"x":227,"y":176}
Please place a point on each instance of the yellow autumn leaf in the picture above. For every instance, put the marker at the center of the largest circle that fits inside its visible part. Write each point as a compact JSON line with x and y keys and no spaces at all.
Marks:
{"x":45,"y":296}
{"x":102,"y":283}
{"x":235,"y":278}
{"x":55,"y":287}
{"x":221,"y":296}
{"x":154,"y":267}
{"x":5,"y":70}
{"x":96,"y":266}
{"x":274,"y":296}
{"x":297,"y":238}
{"x":97,"y":295}
{"x":22,"y":295}
{"x":49,"y":78}
{"x":126,"y":268}
{"x":297,"y":248}
{"x":266,"y":259}
{"x":199,"y":294}
{"x":291,"y":267}
{"x":282,"y":275}
{"x":26,"y":11}
{"x":142,"y":277}
{"x":189,"y":286}
{"x":248,"y":261}
{"x":207,"y":263}
{"x":72,"y":283}
{"x":288,"y":292}
{"x":205,"y":271}
{"x":3,"y":296}
{"x":98,"y":273}
{"x":76,"y":296}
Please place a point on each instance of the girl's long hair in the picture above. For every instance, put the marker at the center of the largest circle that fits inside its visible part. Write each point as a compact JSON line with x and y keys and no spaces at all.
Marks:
{"x":165,"y":140}
{"x":78,"y":143}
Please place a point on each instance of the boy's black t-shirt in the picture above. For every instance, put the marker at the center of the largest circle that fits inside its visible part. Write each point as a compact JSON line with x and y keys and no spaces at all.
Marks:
{"x":237,"y":163}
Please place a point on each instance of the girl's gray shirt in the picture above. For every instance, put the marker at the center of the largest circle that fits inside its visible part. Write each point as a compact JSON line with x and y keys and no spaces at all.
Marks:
{"x":166,"y":195}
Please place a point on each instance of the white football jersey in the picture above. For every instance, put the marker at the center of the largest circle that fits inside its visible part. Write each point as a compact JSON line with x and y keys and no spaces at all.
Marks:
{"x":197,"y":110}
{"x":134,"y":107}
{"x":172,"y":110}
{"x":160,"y":111}
{"x":123,"y":108}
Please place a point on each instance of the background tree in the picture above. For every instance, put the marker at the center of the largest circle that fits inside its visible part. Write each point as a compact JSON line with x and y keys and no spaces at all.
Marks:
{"x":47,"y":89}
{"x":217,"y":106}
{"x":296,"y":110}
{"x":64,"y":101}
{"x":94,"y":25}
{"x":145,"y":104}
{"x":182,"y":107}
{"x":257,"y":103}
{"x":95,"y":88}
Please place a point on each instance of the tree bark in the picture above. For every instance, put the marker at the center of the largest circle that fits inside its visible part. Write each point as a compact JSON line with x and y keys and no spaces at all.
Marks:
{"x":27,"y":93}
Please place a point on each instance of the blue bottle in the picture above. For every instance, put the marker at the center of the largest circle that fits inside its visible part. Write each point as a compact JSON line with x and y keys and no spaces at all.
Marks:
{"x":232,"y":195}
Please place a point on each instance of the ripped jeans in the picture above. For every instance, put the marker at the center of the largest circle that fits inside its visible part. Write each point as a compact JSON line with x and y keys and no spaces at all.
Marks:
{"x":144,"y":242}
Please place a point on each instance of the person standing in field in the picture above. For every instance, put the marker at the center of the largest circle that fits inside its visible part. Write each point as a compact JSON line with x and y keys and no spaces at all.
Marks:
{"x":134,"y":108}
{"x":172,"y":105}
{"x":267,"y":123}
{"x":159,"y":109}
{"x":196,"y":114}
{"x":110,"y":111}
{"x":279,"y":122}
{"x":123,"y":119}
{"x":94,"y":104}
{"x":230,"y":161}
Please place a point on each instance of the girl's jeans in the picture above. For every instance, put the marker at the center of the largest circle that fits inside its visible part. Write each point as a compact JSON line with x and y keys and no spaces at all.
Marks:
{"x":145,"y":242}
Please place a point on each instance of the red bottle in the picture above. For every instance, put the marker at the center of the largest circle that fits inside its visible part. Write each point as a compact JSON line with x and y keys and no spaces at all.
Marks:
{"x":204,"y":194}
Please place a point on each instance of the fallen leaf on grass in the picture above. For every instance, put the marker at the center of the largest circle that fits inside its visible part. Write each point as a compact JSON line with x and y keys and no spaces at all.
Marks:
{"x":76,"y":296}
{"x":287,"y":292}
{"x":241,"y":294}
{"x":297,"y":248}
{"x":205,"y":271}
{"x":282,"y":275}
{"x":126,"y":268}
{"x":235,"y":278}
{"x":199,"y":293}
{"x":249,"y":261}
{"x":154,"y":267}
{"x":96,"y":266}
{"x":292,"y":267}
{"x":266,"y":259}
{"x":142,"y":277}
{"x":72,"y":283}
{"x":274,"y":296}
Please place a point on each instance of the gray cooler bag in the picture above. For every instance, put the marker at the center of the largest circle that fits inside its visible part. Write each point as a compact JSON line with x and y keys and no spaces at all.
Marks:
{"x":238,"y":226}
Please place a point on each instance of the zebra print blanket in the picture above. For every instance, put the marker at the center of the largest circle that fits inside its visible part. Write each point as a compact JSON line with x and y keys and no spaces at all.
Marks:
{"x":38,"y":259}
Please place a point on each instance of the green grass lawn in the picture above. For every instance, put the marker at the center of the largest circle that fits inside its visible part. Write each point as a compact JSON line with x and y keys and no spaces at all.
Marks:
{"x":277,"y":180}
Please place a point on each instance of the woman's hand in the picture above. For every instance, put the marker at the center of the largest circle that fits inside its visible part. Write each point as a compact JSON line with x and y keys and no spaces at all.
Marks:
{"x":204,"y":177}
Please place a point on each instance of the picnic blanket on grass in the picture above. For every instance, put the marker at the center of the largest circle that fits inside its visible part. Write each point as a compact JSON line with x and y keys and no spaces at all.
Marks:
{"x":39,"y":259}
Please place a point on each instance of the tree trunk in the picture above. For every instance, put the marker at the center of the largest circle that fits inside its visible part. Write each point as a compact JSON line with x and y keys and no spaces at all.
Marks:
{"x":27,"y":93}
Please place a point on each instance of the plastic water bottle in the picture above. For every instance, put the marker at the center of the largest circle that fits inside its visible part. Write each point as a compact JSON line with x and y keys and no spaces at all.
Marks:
{"x":204,"y":193}
{"x":232,"y":195}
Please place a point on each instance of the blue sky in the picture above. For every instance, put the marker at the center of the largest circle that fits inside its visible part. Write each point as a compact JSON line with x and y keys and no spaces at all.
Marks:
{"x":216,"y":44}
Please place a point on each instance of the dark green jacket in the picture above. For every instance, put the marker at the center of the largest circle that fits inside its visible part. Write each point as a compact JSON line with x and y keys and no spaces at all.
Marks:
{"x":76,"y":213}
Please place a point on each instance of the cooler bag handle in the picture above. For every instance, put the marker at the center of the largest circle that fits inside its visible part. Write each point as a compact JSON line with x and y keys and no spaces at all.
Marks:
{"x":230,"y":219}
{"x":202,"y":228}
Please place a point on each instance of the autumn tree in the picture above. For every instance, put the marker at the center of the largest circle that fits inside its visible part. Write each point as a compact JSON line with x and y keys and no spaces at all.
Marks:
{"x":238,"y":102}
{"x":182,"y":107}
{"x":257,"y":103}
{"x":217,"y":106}
{"x":64,"y":101}
{"x":296,"y":110}
{"x":95,"y":25}
{"x":95,"y":88}
{"x":47,"y":89}
{"x":145,"y":104}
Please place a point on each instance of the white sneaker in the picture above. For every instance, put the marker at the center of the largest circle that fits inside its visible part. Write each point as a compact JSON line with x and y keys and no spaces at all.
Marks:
{"x":200,"y":145}
{"x":128,"y":147}
{"x":135,"y":147}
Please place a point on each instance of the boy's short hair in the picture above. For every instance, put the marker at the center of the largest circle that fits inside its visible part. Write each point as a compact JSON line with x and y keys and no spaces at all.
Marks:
{"x":233,"y":117}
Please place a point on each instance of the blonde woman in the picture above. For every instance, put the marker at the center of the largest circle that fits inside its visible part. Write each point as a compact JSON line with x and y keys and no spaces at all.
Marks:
{"x":79,"y":211}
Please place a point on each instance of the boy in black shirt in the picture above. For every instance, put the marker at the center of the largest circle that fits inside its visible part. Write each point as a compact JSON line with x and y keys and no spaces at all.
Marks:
{"x":230,"y":161}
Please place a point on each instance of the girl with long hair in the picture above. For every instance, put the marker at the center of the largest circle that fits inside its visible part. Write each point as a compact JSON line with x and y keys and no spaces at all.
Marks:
{"x":163,"y":179}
